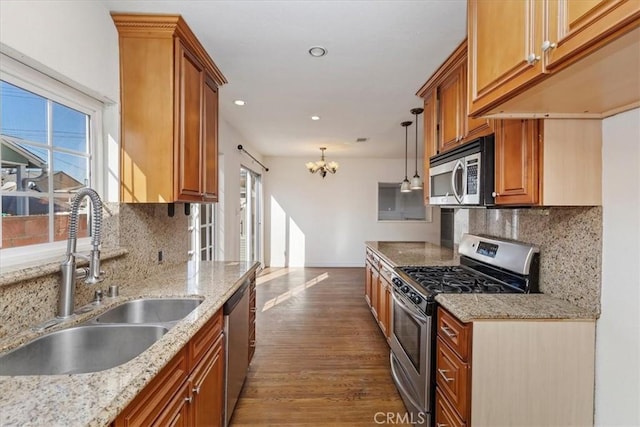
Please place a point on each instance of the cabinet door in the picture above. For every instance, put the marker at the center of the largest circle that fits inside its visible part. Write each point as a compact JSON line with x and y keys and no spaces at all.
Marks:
{"x":375,"y":289}
{"x":451,"y":96}
{"x":430,"y":138}
{"x":517,"y":162}
{"x":156,"y":397}
{"x":576,"y":26}
{"x":473,"y":128}
{"x":176,"y":413}
{"x":207,"y":384}
{"x":190,"y":84}
{"x":210,"y":141}
{"x":367,"y":283}
{"x":504,"y":48}
{"x":382,"y":305}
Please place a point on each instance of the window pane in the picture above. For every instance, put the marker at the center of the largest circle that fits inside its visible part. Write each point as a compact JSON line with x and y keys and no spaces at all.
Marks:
{"x":23,"y":114}
{"x":25,"y":220}
{"x":69,"y":128}
{"x":62,"y":208}
{"x":69,"y":172}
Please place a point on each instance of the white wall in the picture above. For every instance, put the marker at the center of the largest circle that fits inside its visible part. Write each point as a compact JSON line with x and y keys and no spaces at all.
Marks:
{"x":324,"y":222}
{"x":618,"y":329}
{"x":229,"y":201}
{"x":74,"y":40}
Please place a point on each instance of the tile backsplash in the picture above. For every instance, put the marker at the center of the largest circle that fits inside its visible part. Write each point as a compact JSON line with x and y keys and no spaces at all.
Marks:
{"x":570,"y":241}
{"x":143,"y":229}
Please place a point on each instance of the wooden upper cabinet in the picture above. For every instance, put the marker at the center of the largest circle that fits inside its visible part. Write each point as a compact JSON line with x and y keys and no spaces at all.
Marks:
{"x":430,"y":137}
{"x":210,"y":140}
{"x":533,"y":58}
{"x":516,"y":154}
{"x":451,"y":107}
{"x":576,"y":26}
{"x":190,"y":84}
{"x":504,"y":53}
{"x":169,"y":108}
{"x":551,"y":162}
{"x":446,"y":122}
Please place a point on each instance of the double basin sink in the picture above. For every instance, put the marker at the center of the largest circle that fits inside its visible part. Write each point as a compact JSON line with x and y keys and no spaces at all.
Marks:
{"x":106,"y":341}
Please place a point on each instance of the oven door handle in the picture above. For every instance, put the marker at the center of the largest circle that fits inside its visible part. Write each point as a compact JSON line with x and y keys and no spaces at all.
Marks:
{"x":399,"y":383}
{"x":407,"y":309}
{"x":459,"y":165}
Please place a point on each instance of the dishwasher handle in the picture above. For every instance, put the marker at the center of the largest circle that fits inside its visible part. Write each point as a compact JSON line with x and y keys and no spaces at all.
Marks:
{"x":231,"y":303}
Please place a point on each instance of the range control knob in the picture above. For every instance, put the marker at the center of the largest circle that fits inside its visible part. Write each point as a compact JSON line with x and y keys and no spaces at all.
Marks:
{"x":404,"y":289}
{"x":415,"y":298}
{"x":396,"y":281}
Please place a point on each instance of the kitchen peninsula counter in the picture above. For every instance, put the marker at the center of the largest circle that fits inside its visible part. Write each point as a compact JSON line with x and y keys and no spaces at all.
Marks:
{"x":413,"y":253}
{"x":95,"y":399}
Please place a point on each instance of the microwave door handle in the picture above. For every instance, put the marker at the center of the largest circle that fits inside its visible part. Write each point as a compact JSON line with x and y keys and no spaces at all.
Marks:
{"x":460,"y":165}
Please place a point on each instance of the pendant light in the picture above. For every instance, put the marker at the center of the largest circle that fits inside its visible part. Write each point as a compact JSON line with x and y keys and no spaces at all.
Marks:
{"x":416,"y":181}
{"x":405,"y":187}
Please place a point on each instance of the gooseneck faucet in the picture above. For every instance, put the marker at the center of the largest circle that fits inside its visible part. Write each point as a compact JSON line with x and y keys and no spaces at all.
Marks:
{"x":70,"y":273}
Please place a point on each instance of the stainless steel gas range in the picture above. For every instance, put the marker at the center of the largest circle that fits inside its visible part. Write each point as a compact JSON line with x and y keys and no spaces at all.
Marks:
{"x":487,"y":265}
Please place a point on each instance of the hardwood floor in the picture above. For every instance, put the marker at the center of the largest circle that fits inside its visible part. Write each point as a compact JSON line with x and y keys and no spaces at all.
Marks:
{"x":320,"y":359}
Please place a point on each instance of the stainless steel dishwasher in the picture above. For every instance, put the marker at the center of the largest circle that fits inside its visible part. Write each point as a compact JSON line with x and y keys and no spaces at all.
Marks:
{"x":236,"y":331}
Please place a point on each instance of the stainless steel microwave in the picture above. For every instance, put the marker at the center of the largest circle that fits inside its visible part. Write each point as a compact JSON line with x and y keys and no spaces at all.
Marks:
{"x":464,"y":175}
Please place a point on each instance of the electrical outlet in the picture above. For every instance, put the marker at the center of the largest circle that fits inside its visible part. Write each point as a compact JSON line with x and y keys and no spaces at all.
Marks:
{"x":160,"y":256}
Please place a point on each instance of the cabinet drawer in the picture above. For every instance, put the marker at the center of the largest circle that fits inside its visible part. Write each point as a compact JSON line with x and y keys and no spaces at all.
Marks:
{"x":204,"y":339}
{"x":454,"y":333}
{"x":452,"y":376}
{"x":446,"y":416}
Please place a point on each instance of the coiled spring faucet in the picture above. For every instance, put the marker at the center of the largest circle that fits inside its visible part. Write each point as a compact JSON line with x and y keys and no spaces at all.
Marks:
{"x":70,"y":273}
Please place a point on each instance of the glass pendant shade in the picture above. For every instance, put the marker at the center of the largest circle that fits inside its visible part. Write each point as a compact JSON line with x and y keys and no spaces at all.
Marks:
{"x":405,"y":187}
{"x":416,"y":182}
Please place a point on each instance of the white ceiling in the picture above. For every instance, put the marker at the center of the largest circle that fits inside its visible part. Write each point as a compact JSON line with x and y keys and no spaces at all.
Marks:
{"x":379,"y":54}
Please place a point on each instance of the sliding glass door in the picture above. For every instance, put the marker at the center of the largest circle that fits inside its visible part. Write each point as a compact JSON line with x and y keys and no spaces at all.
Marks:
{"x":250,"y":215}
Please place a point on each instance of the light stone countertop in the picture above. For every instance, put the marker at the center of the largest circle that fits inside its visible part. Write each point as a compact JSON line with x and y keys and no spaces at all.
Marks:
{"x":473,"y":307}
{"x":414,"y":253}
{"x":95,"y":399}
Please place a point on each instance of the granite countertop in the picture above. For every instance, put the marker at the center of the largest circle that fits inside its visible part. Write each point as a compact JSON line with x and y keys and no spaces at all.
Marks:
{"x":95,"y":399}
{"x":414,"y":253}
{"x":474,"y":307}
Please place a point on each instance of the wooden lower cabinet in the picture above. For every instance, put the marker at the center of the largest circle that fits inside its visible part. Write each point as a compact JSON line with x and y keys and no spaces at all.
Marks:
{"x":377,"y":290}
{"x":189,"y":391}
{"x":508,"y":372}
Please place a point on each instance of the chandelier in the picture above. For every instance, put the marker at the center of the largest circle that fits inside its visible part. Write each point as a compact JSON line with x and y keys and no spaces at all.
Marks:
{"x":322,"y":166}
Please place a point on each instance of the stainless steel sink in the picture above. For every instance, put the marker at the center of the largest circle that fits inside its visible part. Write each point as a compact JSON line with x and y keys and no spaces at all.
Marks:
{"x":80,"y":350}
{"x":150,"y":310}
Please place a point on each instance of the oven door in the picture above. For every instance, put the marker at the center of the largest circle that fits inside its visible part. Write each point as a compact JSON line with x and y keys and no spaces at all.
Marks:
{"x":411,"y":348}
{"x":447,"y":183}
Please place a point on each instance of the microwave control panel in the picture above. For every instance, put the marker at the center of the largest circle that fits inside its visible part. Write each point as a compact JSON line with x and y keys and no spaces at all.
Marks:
{"x":472,"y":176}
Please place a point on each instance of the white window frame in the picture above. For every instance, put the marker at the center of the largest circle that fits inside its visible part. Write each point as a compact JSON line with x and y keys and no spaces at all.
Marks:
{"x":196,"y":226}
{"x":30,"y":79}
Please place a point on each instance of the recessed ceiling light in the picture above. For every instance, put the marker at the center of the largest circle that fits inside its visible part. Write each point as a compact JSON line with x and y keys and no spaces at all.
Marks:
{"x":315,"y":117}
{"x":317,"y":51}
{"x":239,"y":102}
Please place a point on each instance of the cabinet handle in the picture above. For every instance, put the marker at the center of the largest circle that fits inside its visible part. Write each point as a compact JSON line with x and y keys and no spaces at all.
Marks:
{"x":532,"y":58}
{"x":196,"y":390}
{"x":444,"y":376}
{"x":548,"y":45}
{"x":188,"y":399}
{"x":442,"y":425}
{"x":494,"y":194}
{"x":448,"y":332}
